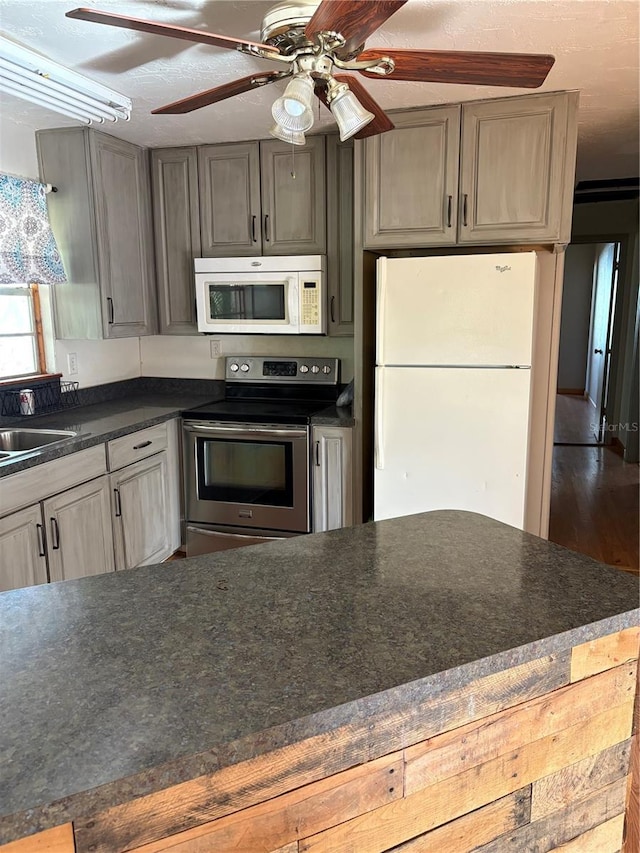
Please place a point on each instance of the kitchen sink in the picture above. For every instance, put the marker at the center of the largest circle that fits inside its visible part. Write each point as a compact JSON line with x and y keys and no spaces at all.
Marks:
{"x":14,"y":441}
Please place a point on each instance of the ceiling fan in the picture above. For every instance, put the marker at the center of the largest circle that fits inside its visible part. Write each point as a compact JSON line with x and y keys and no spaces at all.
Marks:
{"x":315,"y":40}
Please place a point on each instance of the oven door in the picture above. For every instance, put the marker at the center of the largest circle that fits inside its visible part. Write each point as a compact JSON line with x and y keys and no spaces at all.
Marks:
{"x":247,"y":475}
{"x":248,"y":303}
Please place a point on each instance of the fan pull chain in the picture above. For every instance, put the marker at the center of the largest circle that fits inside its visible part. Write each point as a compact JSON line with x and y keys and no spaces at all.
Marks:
{"x":293,"y":161}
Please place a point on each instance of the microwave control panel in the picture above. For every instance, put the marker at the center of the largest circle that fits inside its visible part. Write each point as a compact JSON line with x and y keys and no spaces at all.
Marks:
{"x":309,"y":303}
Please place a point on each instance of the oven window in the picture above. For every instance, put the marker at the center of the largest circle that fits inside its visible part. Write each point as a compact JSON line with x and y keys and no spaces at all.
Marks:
{"x":247,"y":301}
{"x":247,"y":472}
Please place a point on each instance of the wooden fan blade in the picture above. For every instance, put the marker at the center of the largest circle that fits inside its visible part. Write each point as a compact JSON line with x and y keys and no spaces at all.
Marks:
{"x":380,"y":124}
{"x":521,"y":70}
{"x":171,"y":30}
{"x":220,"y":93}
{"x":353,"y":19}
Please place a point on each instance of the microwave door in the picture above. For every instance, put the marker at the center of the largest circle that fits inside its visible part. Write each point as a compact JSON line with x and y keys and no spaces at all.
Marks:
{"x":246,"y":303}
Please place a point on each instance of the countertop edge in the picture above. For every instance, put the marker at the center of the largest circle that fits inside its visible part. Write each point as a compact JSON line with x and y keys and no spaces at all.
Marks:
{"x":85,"y":804}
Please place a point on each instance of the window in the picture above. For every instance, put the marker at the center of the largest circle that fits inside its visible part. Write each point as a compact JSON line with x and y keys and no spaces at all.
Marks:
{"x":21,"y":346}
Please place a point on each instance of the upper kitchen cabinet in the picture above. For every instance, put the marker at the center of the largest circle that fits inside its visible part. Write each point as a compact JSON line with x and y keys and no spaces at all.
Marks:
{"x":340,"y":235}
{"x":252,"y":204}
{"x":517,"y":160}
{"x":411,"y":180}
{"x":486,"y":173}
{"x":230,"y":199}
{"x":293,"y":197}
{"x":101,"y":216}
{"x":176,"y":220}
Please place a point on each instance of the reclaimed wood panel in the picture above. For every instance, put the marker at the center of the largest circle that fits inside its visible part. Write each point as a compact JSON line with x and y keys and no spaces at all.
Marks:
{"x":557,"y":829}
{"x":424,"y":809}
{"x":632,"y":817}
{"x":578,"y":781}
{"x":56,"y":840}
{"x":604,"y":653}
{"x":604,"y":838}
{"x":397,"y":725}
{"x":450,"y":753}
{"x":284,"y":819}
{"x":288,"y":848}
{"x":466,"y":833}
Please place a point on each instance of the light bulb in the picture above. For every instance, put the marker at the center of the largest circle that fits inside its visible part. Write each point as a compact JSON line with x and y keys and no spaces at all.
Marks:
{"x":293,"y":110}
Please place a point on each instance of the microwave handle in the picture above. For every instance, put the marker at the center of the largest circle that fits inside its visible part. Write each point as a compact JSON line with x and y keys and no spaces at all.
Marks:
{"x":294,"y":301}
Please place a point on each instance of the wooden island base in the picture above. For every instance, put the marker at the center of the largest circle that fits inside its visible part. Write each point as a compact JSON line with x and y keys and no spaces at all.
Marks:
{"x":535,"y":757}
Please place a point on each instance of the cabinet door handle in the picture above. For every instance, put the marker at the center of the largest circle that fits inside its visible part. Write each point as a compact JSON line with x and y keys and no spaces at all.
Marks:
{"x":332,"y":309}
{"x":317,"y":454}
{"x":253,"y":229}
{"x":110,"y":308}
{"x":41,"y":544}
{"x":449,"y":206}
{"x":465,"y":201}
{"x":266,"y":227}
{"x":142,"y":444}
{"x":55,"y":534}
{"x":116,"y":492}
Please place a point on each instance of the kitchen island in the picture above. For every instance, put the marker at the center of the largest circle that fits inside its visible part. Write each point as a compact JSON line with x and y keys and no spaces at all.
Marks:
{"x":441,"y":677}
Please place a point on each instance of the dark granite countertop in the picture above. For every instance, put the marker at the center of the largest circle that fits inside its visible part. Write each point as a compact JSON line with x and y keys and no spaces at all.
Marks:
{"x":334,"y":416}
{"x":118,"y":685}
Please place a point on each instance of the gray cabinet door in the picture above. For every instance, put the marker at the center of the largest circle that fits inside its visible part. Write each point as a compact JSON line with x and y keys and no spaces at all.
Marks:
{"x":332,"y":478}
{"x":411,"y":181}
{"x":142,"y":510}
{"x":340,"y":235}
{"x":229,"y":177}
{"x":122,"y":195}
{"x":293,"y":197}
{"x":512,"y":169}
{"x":22,"y":553}
{"x":79,"y":532}
{"x":176,"y":220}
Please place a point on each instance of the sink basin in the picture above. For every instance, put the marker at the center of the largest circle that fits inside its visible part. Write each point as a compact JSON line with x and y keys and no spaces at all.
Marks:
{"x":21,"y":440}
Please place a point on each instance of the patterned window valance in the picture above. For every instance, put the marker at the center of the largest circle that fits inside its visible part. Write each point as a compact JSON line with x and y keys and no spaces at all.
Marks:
{"x":28,"y":250}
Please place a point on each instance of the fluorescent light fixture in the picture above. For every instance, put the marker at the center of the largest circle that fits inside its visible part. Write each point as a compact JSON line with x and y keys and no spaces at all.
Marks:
{"x":35,"y":78}
{"x":293,"y":110}
{"x":347,"y":110}
{"x":292,"y":136}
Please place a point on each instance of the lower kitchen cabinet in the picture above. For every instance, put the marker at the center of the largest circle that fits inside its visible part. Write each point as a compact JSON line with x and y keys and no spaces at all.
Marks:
{"x":332,"y":478}
{"x":23,"y":560}
{"x":142,"y":512}
{"x":79,"y":534}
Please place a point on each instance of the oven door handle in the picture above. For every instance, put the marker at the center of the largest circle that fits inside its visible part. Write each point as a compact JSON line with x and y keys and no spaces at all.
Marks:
{"x":288,"y":432}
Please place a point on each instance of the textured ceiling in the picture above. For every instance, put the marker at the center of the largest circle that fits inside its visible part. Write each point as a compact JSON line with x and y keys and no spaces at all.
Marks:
{"x":595,"y":45}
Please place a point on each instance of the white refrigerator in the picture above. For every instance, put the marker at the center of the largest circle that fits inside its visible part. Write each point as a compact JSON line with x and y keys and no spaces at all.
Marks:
{"x":453,"y":381}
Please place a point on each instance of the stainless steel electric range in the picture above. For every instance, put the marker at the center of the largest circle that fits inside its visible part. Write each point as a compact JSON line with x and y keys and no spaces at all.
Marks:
{"x":246,"y":458}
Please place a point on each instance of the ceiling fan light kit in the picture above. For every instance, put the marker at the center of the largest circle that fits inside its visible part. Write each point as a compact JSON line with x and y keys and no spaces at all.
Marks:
{"x":312,"y":38}
{"x":35,"y":78}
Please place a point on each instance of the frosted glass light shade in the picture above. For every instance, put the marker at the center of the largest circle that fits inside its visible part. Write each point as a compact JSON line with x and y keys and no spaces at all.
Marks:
{"x":350,"y":114}
{"x":295,"y":137}
{"x":293,"y":110}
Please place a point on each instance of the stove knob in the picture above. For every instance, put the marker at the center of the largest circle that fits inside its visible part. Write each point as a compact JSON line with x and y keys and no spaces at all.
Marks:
{"x":233,"y":367}
{"x":244,"y":368}
{"x":326,"y":369}
{"x":315,"y":368}
{"x":304,"y":368}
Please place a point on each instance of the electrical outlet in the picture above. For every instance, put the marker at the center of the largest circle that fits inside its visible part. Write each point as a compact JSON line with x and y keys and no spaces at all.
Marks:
{"x":72,"y":363}
{"x":216,"y":348}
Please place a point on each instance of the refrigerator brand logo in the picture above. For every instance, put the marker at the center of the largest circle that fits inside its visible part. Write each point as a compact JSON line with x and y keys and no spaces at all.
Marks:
{"x":502,"y":269}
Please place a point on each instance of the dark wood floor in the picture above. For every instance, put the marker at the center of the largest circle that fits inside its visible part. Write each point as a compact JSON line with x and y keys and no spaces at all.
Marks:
{"x":594,"y":503}
{"x":575,"y":420}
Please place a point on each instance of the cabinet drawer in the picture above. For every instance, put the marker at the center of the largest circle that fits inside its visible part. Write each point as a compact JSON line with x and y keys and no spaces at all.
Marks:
{"x":123,"y":451}
{"x":42,"y":481}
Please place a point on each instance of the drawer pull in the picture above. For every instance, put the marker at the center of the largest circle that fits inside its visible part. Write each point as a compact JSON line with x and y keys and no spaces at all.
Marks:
{"x":142,"y":444}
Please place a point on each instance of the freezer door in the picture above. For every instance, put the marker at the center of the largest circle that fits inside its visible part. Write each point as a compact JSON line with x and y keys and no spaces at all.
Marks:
{"x":456,"y":310}
{"x":451,"y":438}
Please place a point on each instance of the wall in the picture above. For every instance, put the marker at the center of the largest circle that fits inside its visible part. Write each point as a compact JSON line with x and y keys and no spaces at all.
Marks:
{"x":574,"y":325}
{"x":189,"y":357}
{"x":18,"y":149}
{"x":618,"y":220}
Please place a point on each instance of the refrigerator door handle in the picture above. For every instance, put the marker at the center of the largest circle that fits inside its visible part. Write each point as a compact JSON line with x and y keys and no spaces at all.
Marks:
{"x":379,"y":421}
{"x":381,"y":275}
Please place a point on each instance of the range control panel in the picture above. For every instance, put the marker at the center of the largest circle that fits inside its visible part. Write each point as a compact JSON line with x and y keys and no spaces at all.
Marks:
{"x":314,"y":369}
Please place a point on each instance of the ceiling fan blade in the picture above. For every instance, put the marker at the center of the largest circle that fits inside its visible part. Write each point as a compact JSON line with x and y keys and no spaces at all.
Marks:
{"x":220,"y":93}
{"x":353,"y":19}
{"x":380,"y":124}
{"x":171,"y":30}
{"x":521,"y":70}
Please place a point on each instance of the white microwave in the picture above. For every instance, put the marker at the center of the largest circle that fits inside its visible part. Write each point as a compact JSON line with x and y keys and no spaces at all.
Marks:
{"x":261,"y":296}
